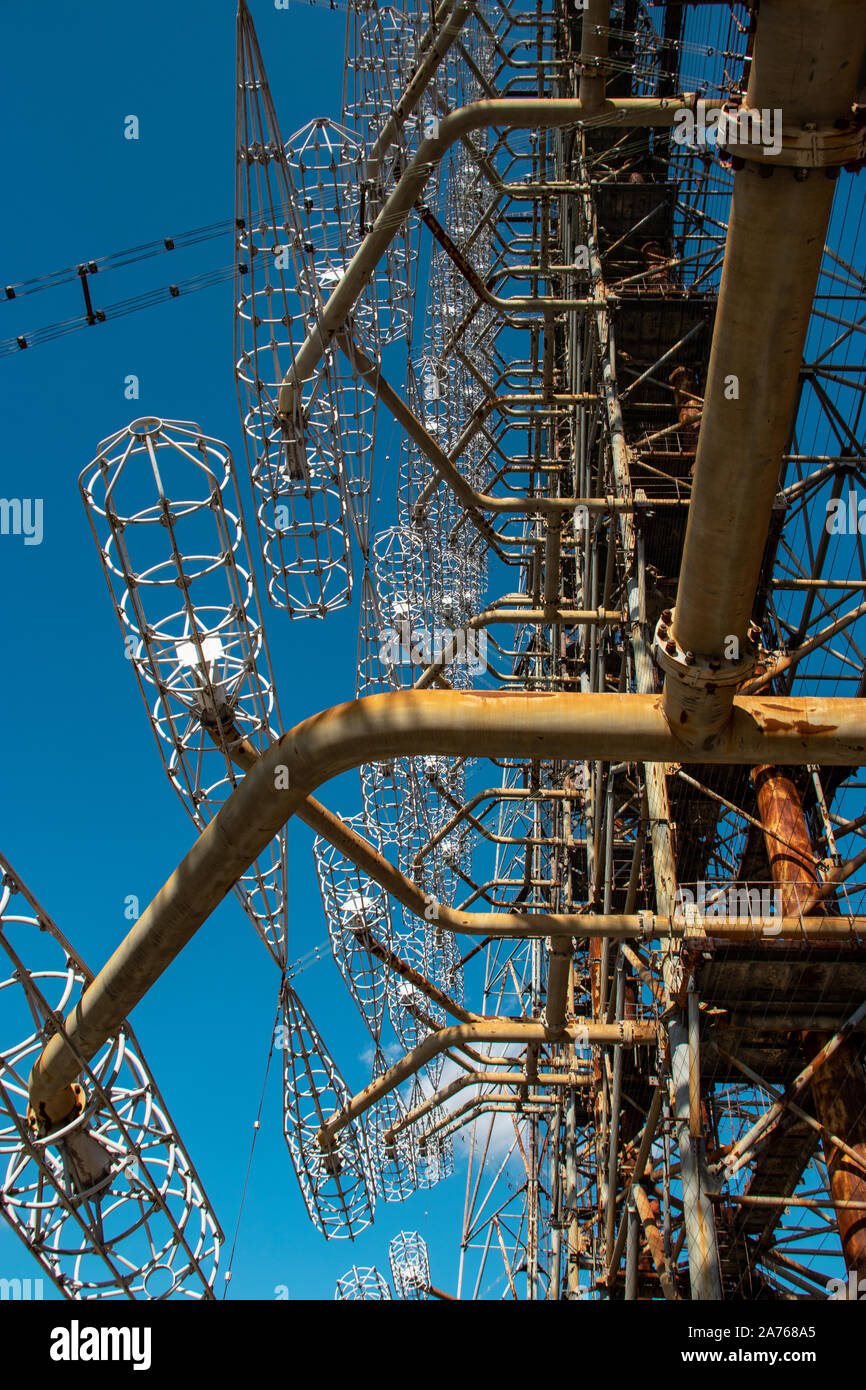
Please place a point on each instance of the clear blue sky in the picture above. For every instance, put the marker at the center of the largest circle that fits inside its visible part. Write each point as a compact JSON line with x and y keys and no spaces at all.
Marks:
{"x":87,"y":814}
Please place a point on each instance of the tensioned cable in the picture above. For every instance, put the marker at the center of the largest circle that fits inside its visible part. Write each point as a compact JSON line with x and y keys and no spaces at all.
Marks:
{"x":296,"y":968}
{"x":207,"y":280}
{"x":256,"y":1127}
{"x":116,"y":259}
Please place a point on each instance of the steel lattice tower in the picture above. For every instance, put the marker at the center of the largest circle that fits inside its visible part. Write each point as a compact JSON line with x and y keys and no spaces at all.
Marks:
{"x":601,"y":892}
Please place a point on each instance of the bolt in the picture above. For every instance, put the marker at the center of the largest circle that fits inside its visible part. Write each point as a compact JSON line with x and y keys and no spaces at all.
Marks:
{"x":690,"y":658}
{"x":667,"y":615}
{"x":671,"y":648}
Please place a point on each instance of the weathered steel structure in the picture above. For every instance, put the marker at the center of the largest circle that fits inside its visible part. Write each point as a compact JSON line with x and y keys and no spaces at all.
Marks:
{"x":599,"y":266}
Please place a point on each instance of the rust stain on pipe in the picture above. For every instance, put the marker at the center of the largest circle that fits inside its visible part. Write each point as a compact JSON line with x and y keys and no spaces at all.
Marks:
{"x":838,"y":1081}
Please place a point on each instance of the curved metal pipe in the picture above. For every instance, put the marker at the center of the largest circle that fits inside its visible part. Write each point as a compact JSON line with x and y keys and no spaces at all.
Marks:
{"x":500,"y":1030}
{"x":432,"y":48}
{"x":409,"y":723}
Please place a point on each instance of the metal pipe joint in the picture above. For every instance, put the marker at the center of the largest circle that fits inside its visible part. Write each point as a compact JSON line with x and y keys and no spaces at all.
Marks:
{"x":699,"y":687}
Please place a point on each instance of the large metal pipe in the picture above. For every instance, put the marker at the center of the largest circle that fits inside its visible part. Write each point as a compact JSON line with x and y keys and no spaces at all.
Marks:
{"x":786,"y":837}
{"x":561,"y":927}
{"x":839,"y":1094}
{"x":805,"y":67}
{"x":410,"y":723}
{"x":558,"y":978}
{"x":835,"y":1070}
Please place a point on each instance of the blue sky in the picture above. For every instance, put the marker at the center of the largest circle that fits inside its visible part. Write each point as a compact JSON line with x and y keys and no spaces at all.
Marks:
{"x":87,"y":815}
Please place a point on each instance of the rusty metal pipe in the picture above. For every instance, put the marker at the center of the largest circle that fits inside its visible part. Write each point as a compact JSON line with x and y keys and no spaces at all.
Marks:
{"x":609,"y":726}
{"x":765,"y":1200}
{"x":629,"y":1033}
{"x":552,"y":562}
{"x":643,"y":1153}
{"x":804,"y":1079}
{"x":835,"y":1071}
{"x":593,"y":52}
{"x":839,"y":1095}
{"x":558,"y":977}
{"x":653,"y":1239}
{"x":786,"y":837}
{"x":559,"y":926}
{"x":794,"y":1109}
{"x":802,"y":66}
{"x":392,"y":961}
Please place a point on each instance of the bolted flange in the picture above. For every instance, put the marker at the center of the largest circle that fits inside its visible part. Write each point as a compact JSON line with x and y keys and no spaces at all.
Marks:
{"x":813,"y":145}
{"x":699,"y":689}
